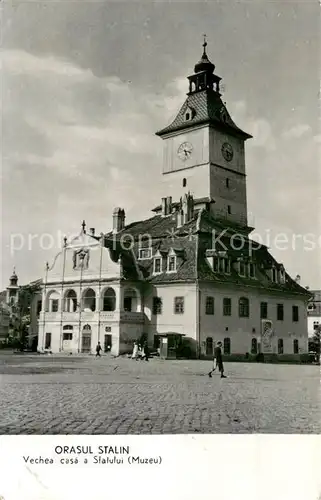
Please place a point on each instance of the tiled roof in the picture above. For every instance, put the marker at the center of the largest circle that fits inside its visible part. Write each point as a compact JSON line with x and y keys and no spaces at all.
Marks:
{"x":191,"y":242}
{"x":208,"y":108}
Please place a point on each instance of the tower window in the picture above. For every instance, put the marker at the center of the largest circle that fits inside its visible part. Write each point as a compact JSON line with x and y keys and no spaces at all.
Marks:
{"x":227,"y":183}
{"x":229,"y":211}
{"x":184,"y":182}
{"x":187,"y":116}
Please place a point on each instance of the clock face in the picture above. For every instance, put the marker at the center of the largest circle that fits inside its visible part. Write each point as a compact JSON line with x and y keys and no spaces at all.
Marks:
{"x":184,"y":151}
{"x":227,"y":151}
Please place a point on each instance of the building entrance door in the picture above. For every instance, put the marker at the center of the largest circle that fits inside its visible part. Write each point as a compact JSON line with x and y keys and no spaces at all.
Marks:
{"x":107,"y":343}
{"x":86,"y":339}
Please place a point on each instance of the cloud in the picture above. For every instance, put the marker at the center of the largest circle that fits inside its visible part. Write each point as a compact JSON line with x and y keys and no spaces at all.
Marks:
{"x":297,"y":131}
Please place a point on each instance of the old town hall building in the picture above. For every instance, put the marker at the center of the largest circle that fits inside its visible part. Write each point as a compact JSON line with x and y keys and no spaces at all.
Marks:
{"x":191,"y":268}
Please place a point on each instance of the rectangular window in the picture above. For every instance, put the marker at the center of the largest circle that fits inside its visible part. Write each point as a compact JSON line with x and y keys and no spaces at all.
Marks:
{"x":228,"y":266}
{"x":144,"y":253}
{"x":54,"y":305}
{"x":264,"y":310}
{"x":157,"y":305}
{"x":274,"y":275}
{"x":172,"y":263}
{"x":280,"y":312}
{"x":157,"y":265}
{"x":295,"y":313}
{"x":209,"y":306}
{"x":227,"y":306}
{"x":156,"y":341}
{"x":179,"y":305}
{"x":67,"y":336}
{"x":215,"y":264}
{"x":229,"y":210}
{"x":48,"y":340}
{"x":227,"y":182}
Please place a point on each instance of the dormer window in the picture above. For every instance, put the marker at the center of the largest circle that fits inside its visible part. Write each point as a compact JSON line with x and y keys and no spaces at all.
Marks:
{"x":241,"y":268}
{"x":189,"y":114}
{"x":144,"y":253}
{"x":274,"y":274}
{"x":157,"y":264}
{"x":251,"y":270}
{"x":282,"y":275}
{"x":171,"y":264}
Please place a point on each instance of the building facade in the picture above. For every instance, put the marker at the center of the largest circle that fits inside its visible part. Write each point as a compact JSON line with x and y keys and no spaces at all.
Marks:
{"x":314,"y":312}
{"x":191,"y":268}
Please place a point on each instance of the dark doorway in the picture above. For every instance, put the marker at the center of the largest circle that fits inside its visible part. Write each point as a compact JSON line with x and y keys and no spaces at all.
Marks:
{"x":107,"y":343}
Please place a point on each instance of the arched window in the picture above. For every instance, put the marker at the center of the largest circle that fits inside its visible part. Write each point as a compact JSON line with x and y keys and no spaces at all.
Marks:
{"x":184,"y":182}
{"x":109,"y":300}
{"x":52,"y":302}
{"x":227,"y":345}
{"x":244,"y":307}
{"x":280,"y":346}
{"x":89,"y":300}
{"x":295,"y":346}
{"x":209,"y":346}
{"x":254,"y":346}
{"x":70,"y":302}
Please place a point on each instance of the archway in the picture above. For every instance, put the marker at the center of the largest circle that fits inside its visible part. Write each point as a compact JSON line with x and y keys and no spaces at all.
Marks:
{"x":89,"y":300}
{"x":52,"y":301}
{"x":131,"y":300}
{"x":70,"y":301}
{"x":109,"y":300}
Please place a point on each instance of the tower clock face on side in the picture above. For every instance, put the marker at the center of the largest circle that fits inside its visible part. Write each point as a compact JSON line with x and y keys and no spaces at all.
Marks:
{"x":227,"y":151}
{"x":184,"y":151}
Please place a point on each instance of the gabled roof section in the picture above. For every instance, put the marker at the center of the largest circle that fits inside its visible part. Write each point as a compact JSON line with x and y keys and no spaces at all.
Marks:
{"x":209,"y":109}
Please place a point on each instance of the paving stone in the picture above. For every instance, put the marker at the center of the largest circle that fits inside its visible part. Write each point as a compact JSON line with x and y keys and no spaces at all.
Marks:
{"x":40,"y":395}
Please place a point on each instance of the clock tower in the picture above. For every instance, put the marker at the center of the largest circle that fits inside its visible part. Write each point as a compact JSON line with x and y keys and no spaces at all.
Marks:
{"x":204,"y":149}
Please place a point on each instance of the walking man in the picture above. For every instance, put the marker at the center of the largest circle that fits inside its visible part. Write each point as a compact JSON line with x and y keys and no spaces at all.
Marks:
{"x":219,"y":360}
{"x":98,"y":349}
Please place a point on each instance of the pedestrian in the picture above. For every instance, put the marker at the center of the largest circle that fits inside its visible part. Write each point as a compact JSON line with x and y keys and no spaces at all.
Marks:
{"x":219,"y":360}
{"x":98,"y":349}
{"x":146,"y":351}
{"x":135,"y":351}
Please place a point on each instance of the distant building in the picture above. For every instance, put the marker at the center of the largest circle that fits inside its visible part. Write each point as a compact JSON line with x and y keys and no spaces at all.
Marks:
{"x":191,"y":268}
{"x":314,"y":312}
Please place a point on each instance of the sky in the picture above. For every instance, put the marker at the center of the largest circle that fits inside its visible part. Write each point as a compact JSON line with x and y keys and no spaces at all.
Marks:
{"x":85,"y":86}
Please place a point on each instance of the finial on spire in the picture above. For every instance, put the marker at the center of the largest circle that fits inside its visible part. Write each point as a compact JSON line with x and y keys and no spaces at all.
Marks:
{"x":83,"y":226}
{"x":205,"y":42}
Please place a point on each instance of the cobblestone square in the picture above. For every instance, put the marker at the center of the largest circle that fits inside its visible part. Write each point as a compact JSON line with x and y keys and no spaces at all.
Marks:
{"x":88,"y":395}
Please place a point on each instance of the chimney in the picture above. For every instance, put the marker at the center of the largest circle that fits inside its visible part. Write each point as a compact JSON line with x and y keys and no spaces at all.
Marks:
{"x":164,"y":207}
{"x":298,"y":279}
{"x":180,"y":218}
{"x":92,"y":231}
{"x":169,"y":205}
{"x":118,"y":219}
